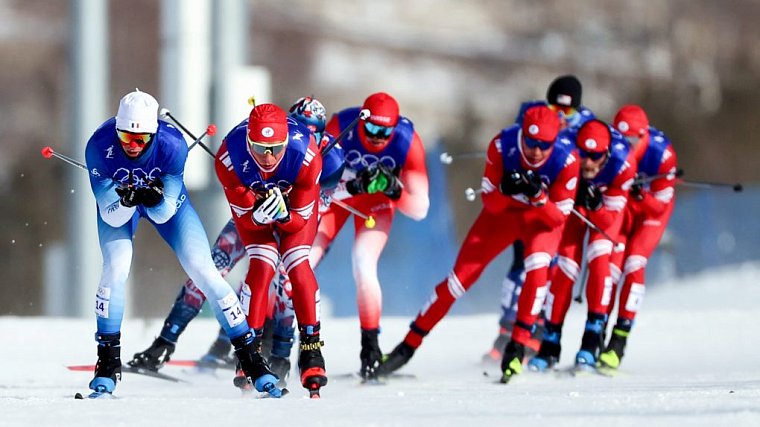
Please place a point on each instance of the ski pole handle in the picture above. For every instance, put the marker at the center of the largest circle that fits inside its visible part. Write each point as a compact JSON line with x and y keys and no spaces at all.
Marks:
{"x":363,"y":115}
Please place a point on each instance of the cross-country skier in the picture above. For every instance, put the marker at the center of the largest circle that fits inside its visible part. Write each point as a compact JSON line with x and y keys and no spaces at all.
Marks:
{"x":563,"y":96}
{"x":227,"y":251}
{"x":385,"y":170}
{"x":269,"y":168}
{"x":650,"y":205}
{"x":528,"y":190}
{"x":136,"y":165}
{"x":607,"y":172}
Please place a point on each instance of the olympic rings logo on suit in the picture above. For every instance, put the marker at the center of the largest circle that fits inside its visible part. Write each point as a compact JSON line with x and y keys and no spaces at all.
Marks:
{"x":139,"y":176}
{"x":358,"y":161}
{"x":262,"y":187}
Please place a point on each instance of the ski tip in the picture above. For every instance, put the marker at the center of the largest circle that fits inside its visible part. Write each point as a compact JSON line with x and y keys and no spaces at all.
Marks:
{"x":314,"y":394}
{"x":79,"y":396}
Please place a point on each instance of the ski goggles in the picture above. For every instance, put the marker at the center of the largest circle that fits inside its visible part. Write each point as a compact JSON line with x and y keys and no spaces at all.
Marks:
{"x":590,"y":155}
{"x":379,"y":132}
{"x":128,"y":138}
{"x":565,"y":111}
{"x":537,"y":143}
{"x":263,"y":149}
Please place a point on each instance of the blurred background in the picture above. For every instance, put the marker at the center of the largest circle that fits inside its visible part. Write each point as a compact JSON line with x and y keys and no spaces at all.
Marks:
{"x":459,"y":69}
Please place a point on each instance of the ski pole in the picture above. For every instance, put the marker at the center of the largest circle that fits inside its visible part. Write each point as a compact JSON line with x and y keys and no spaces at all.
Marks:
{"x":470,"y":194}
{"x":210,"y":131}
{"x":737,"y":187}
{"x":369,"y":220}
{"x":593,"y":226}
{"x":48,"y":152}
{"x":645,"y":179}
{"x":363,"y":115}
{"x":448,"y":158}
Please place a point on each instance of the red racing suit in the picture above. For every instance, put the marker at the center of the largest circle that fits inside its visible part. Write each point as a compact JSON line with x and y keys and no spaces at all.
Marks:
{"x":503,"y":220}
{"x":645,"y":220}
{"x":404,"y":153}
{"x":244,"y":182}
{"x":613,"y":181}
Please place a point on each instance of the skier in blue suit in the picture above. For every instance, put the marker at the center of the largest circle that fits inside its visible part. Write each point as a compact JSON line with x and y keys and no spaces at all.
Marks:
{"x":136,"y":165}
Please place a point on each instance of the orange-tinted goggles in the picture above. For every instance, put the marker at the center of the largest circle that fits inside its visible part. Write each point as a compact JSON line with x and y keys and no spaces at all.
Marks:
{"x":128,"y":138}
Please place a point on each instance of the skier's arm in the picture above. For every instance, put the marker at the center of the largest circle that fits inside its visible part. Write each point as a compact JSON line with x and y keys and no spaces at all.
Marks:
{"x":304,"y":194}
{"x":104,"y":189}
{"x":613,"y":199}
{"x":240,"y":197}
{"x":493,"y":199}
{"x":561,"y":196}
{"x":172,"y":187}
{"x":661,"y":190}
{"x":414,"y":201}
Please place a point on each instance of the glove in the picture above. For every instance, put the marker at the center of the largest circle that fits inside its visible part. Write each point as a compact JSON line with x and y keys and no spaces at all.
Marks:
{"x":394,"y":185}
{"x":271,"y":208}
{"x":128,"y":195}
{"x":511,"y":182}
{"x":374,"y":179}
{"x":588,"y":196}
{"x":637,"y":189}
{"x":532,"y":187}
{"x":151,"y":195}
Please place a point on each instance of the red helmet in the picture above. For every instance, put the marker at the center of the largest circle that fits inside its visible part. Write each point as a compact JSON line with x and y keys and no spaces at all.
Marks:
{"x":267,"y":124}
{"x":541,"y":123}
{"x":594,"y":137}
{"x":631,"y":120}
{"x":383,"y":109}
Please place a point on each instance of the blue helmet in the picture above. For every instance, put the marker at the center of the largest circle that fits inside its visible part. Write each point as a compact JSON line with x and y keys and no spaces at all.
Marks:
{"x":310,"y":112}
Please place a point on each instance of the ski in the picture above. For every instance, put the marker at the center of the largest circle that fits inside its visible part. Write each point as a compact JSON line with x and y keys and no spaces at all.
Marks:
{"x":576,"y":371}
{"x":98,"y":394}
{"x":375,"y":381}
{"x":270,"y":390}
{"x":130,"y":369}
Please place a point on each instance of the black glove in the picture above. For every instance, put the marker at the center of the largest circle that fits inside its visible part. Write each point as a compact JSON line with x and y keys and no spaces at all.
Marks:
{"x":394,"y":187}
{"x":152,"y":194}
{"x":637,"y":189}
{"x":533,"y":185}
{"x":360,"y":184}
{"x":512,"y":182}
{"x":128,"y":195}
{"x":588,"y":196}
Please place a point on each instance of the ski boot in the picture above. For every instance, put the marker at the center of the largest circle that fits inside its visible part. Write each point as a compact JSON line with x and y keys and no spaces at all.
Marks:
{"x":154,"y":357}
{"x":548,"y":354}
{"x":108,"y":367}
{"x":218,"y":355}
{"x":592,"y":342}
{"x":370,"y":355}
{"x":255,"y":371}
{"x":511,"y":363}
{"x":397,"y":358}
{"x":311,"y":364}
{"x":613,"y":354}
{"x":497,"y":351}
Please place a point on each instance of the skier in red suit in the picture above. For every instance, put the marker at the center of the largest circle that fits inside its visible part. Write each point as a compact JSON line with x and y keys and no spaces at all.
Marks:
{"x":269,"y":167}
{"x":528,"y":190}
{"x":385,"y":170}
{"x":607,"y":172}
{"x":650,"y":205}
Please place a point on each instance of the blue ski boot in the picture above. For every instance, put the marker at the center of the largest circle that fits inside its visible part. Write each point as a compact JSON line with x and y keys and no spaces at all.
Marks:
{"x":548,"y":354}
{"x":592,"y":342}
{"x":108,"y":367}
{"x":255,"y":370}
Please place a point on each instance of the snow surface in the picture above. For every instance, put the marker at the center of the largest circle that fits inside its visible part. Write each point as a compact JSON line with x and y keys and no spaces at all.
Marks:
{"x":692,"y":360}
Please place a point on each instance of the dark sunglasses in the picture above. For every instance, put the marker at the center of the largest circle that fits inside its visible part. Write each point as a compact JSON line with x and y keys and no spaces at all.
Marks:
{"x":533,"y":143}
{"x":589,"y":155}
{"x":374,"y":131}
{"x":138,"y":138}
